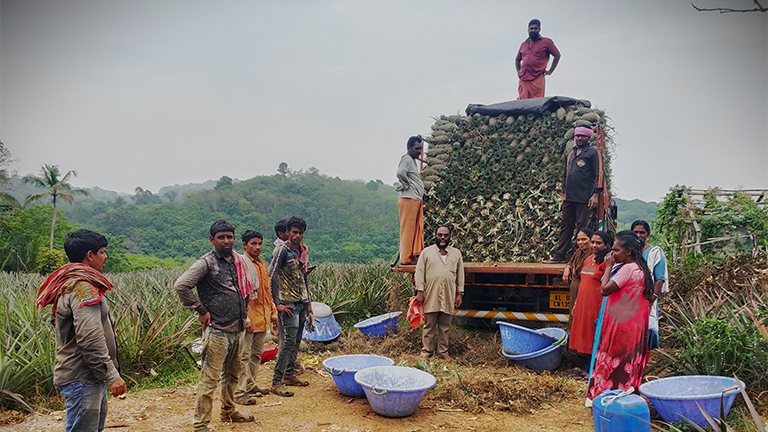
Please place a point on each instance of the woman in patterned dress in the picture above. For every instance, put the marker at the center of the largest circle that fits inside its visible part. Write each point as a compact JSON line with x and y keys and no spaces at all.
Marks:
{"x":622,"y":350}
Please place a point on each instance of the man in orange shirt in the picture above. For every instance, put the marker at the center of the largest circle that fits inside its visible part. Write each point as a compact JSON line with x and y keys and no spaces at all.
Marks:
{"x":261,"y":310}
{"x":531,"y":62}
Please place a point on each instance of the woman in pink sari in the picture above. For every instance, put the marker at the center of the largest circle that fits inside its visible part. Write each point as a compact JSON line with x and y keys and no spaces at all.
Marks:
{"x":622,"y":350}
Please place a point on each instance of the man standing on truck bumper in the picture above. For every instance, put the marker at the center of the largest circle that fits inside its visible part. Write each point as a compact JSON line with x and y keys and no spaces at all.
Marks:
{"x":582,"y":183}
{"x":439,"y":281}
{"x":409,"y":205}
{"x":531,"y":62}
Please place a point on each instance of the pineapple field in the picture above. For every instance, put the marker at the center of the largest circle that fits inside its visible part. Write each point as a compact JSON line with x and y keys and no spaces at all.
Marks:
{"x":496,"y":178}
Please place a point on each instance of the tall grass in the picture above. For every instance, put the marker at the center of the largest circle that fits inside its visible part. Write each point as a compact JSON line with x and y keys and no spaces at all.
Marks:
{"x":151,"y":324}
{"x":718,"y":331}
{"x":359,"y":291}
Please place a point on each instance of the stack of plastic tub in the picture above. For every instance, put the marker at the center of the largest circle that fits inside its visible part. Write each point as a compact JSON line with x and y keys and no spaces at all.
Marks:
{"x":536,"y":349}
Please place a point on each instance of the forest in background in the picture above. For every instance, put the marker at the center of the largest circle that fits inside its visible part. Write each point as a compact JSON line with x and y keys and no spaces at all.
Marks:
{"x":349,"y":221}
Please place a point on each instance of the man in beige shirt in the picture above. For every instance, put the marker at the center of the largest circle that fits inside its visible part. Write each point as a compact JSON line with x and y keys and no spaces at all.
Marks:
{"x":440,"y":286}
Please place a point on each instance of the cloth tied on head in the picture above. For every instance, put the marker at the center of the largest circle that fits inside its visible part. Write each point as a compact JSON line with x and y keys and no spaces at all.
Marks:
{"x":583,"y":130}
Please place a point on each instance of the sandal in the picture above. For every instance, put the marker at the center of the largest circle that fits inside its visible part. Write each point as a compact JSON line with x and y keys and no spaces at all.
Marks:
{"x":281,"y":390}
{"x":236,"y":417}
{"x":258,"y":392}
{"x":582,"y":377}
{"x":245,"y":400}
{"x":293,"y":381}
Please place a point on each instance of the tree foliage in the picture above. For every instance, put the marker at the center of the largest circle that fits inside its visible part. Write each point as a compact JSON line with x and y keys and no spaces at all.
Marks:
{"x":56,"y":187}
{"x":23,"y":235}
{"x":719,"y":224}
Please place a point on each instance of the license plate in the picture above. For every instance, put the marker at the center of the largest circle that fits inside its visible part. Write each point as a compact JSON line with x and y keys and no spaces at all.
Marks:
{"x":559,"y":299}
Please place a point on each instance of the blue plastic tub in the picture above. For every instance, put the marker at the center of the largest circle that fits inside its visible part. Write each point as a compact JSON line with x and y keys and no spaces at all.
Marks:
{"x":343,"y":370}
{"x":520,"y":340}
{"x":547,"y":358}
{"x":625,"y":413}
{"x":678,"y":396}
{"x":379,"y":326}
{"x":394,"y":391}
{"x":326,"y":327}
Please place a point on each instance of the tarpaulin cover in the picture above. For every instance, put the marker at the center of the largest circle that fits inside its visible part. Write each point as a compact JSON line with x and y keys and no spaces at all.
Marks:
{"x":536,"y":106}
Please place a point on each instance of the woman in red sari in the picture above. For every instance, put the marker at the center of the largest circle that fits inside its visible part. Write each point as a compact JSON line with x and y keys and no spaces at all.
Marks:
{"x":587,"y":306}
{"x":622,"y":351}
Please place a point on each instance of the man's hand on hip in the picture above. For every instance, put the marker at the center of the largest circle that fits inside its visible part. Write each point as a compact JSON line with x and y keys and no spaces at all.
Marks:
{"x":205,"y":319}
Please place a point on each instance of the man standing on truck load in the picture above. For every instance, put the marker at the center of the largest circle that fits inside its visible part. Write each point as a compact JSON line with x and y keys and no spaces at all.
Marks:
{"x":224,"y":281}
{"x":582,"y":182}
{"x":439,"y":281}
{"x":409,"y":205}
{"x":531,"y":62}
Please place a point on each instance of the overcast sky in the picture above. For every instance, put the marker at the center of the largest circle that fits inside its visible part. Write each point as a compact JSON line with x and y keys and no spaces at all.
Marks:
{"x":157,"y":92}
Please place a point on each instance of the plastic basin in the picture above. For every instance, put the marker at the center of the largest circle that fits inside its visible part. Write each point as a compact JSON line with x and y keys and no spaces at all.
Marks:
{"x":270,"y":351}
{"x":326,"y":327}
{"x":394,"y":391}
{"x":547,"y":358}
{"x":516,"y":339}
{"x":343,"y":370}
{"x":379,"y":326}
{"x":677,"y":397}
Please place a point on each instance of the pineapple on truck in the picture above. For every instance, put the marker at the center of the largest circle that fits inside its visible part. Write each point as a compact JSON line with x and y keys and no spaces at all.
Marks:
{"x":495,"y":176}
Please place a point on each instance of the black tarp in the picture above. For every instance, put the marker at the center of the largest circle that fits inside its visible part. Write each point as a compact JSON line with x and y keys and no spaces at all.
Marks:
{"x":536,"y":106}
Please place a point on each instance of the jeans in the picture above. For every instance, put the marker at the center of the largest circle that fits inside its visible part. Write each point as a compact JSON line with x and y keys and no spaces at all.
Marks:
{"x":222,"y":353}
{"x":86,"y":404}
{"x":291,"y":327}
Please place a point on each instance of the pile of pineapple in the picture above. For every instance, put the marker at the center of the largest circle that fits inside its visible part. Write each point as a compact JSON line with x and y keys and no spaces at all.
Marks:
{"x":497,"y":181}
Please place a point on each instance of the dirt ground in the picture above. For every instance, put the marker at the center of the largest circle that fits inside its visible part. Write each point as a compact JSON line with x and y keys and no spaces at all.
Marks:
{"x":318,"y":407}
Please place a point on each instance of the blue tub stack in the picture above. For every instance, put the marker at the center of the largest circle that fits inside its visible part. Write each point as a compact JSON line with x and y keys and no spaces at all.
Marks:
{"x":536,"y":349}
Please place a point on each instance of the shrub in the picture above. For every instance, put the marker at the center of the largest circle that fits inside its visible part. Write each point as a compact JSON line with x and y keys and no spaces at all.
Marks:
{"x":51,"y":260}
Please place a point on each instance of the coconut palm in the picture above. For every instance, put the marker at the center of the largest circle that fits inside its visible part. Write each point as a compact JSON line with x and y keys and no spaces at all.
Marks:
{"x":56,"y":186}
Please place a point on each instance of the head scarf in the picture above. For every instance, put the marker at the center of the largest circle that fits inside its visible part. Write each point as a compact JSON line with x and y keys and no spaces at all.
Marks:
{"x":64,"y":280}
{"x":583,"y":130}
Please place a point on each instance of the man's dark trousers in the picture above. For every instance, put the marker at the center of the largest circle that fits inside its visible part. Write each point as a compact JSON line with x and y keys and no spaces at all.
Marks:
{"x":574,"y":214}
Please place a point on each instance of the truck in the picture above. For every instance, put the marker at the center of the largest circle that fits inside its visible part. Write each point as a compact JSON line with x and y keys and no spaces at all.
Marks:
{"x":495,"y":176}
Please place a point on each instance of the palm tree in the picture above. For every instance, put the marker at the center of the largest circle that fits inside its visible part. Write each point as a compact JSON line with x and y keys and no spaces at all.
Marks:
{"x":56,"y":187}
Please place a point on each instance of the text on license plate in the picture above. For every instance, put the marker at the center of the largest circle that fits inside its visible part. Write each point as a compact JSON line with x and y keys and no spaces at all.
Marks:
{"x":559,"y":299}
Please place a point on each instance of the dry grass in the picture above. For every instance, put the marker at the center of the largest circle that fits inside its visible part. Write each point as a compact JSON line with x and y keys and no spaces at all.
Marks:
{"x":478,"y":378}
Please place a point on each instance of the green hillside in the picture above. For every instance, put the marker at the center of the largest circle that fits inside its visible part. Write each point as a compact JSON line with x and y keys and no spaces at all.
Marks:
{"x":348,"y":221}
{"x":632,"y":210}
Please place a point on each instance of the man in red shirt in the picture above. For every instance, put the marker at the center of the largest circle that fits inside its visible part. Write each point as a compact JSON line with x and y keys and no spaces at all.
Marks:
{"x":531,"y":62}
